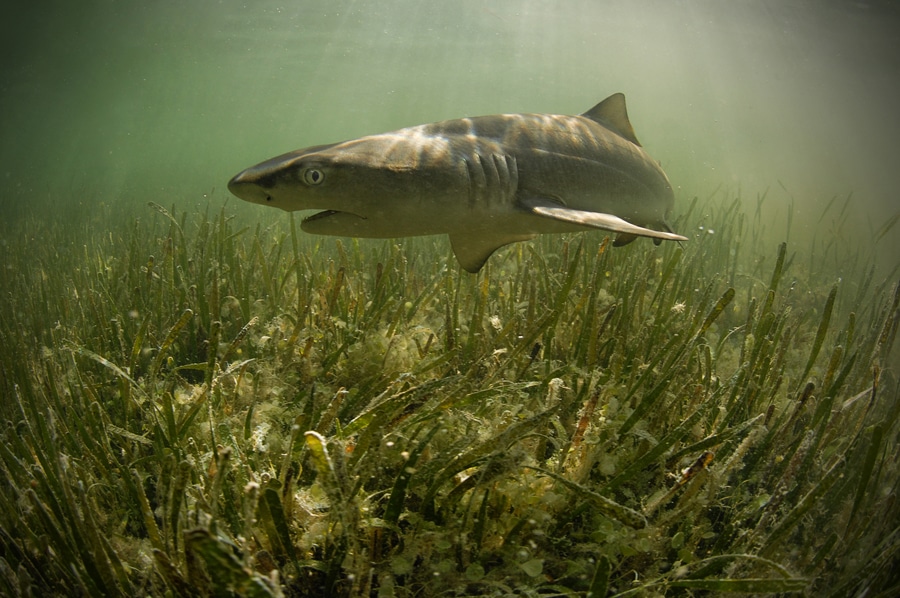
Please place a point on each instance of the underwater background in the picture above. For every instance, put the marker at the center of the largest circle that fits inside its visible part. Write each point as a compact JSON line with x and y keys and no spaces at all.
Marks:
{"x":169,"y":99}
{"x":197,"y":398}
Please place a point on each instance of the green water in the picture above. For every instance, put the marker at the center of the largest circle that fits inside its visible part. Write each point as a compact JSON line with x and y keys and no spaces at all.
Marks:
{"x":166,"y":100}
{"x":199,"y":398}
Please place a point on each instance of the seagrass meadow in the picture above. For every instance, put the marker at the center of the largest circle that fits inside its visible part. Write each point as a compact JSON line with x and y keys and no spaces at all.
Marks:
{"x":196,"y":406}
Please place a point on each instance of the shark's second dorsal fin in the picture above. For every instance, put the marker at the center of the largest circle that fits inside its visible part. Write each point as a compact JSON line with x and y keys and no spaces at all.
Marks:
{"x":611,"y":114}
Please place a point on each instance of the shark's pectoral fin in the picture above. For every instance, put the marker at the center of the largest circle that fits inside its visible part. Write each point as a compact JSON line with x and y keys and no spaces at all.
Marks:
{"x":627,"y":231}
{"x":473,"y":249}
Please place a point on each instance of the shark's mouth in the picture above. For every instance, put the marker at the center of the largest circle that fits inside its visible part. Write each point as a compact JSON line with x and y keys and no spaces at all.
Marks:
{"x":320,"y":215}
{"x":330,"y":214}
{"x":334,"y":222}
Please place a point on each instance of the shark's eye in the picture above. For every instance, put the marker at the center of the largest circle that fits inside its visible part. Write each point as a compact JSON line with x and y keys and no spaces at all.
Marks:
{"x":313,"y":176}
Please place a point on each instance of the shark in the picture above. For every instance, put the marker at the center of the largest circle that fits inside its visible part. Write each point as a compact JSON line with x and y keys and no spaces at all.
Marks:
{"x":484,"y":181}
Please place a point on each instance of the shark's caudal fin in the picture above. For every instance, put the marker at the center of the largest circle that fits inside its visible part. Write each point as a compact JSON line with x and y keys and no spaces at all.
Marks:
{"x":626,"y":230}
{"x":473,"y":250}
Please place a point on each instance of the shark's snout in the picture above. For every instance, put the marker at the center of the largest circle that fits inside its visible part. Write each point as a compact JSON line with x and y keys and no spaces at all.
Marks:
{"x":244,"y":186}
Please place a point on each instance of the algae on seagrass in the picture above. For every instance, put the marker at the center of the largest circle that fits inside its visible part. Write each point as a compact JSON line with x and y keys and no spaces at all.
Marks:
{"x":192,"y":406}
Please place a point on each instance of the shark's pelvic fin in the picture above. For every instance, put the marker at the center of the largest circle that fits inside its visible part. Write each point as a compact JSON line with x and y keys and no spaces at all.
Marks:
{"x":611,"y":114}
{"x":623,"y":239}
{"x":473,"y":249}
{"x":549,"y":209}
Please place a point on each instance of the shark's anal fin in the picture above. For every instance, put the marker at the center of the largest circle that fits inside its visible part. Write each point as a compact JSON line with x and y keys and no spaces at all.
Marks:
{"x":627,"y":231}
{"x":473,"y":249}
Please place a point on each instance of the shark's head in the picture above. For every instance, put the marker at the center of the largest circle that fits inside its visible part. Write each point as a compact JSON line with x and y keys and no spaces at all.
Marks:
{"x":362,"y":186}
{"x":292,"y":181}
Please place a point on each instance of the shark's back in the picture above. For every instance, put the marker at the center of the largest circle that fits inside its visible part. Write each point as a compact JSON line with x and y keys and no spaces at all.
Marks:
{"x":590,"y":162}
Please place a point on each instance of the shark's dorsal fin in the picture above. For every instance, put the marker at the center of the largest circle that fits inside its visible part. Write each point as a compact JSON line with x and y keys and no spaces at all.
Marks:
{"x":473,"y":249}
{"x":611,"y":114}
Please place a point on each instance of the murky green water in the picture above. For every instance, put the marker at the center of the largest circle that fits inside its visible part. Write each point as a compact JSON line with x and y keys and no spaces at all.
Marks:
{"x":167,"y":100}
{"x":198,"y":397}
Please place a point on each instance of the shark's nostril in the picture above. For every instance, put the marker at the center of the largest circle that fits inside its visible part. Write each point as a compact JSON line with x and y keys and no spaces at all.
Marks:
{"x":268,"y":198}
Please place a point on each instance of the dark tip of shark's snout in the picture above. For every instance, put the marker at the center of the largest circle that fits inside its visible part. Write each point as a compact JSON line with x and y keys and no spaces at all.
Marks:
{"x":235,"y":183}
{"x":238,"y":181}
{"x":243,"y":187}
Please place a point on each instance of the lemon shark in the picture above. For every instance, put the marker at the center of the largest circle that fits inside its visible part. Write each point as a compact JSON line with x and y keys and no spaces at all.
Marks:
{"x":485,"y":181}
